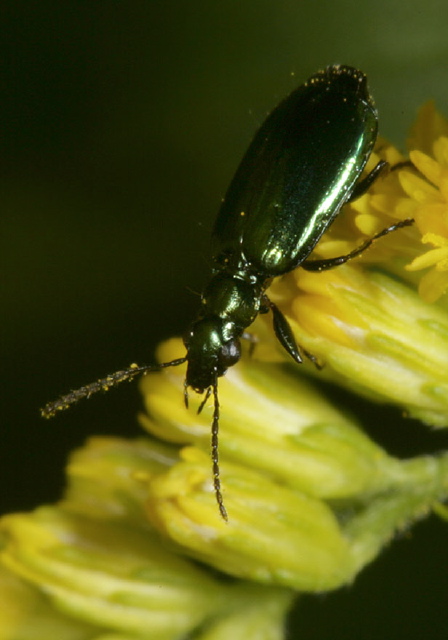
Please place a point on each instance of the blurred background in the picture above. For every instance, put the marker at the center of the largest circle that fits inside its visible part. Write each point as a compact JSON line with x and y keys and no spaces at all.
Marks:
{"x":121,"y":126}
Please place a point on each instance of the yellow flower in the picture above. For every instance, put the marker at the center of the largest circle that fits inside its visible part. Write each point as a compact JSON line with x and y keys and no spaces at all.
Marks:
{"x":93,"y":566}
{"x":429,"y":196}
{"x":370,"y":322}
{"x":27,"y":614}
{"x":415,"y":187}
{"x":137,"y":548}
{"x":310,"y":498}
{"x":272,"y":421}
{"x":107,"y":573}
{"x":374,"y":335}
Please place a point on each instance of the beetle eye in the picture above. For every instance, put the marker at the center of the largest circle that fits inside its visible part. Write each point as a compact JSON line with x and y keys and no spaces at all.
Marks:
{"x":230,"y":353}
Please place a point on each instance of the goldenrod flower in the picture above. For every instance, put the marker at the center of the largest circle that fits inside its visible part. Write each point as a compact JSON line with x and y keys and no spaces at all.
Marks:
{"x":311,"y":499}
{"x":370,"y":322}
{"x":108,"y":573}
{"x":273,"y":421}
{"x":93,"y":567}
{"x":429,"y":154}
{"x":376,"y":336}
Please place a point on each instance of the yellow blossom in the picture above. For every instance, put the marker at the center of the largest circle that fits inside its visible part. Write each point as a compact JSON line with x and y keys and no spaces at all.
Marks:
{"x":372,"y":322}
{"x":136,"y":548}
{"x":414,"y":187}
{"x":429,"y":195}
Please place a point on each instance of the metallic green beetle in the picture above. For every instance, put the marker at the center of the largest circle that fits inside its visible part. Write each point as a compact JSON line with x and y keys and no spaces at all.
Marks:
{"x":302,"y":166}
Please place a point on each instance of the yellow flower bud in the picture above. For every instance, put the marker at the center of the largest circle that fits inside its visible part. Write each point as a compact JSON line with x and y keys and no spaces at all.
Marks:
{"x":107,"y":478}
{"x":275,"y":535}
{"x":109,"y":574}
{"x":310,"y":498}
{"x":27,"y":614}
{"x":273,"y":421}
{"x":281,"y":537}
{"x":376,"y":336}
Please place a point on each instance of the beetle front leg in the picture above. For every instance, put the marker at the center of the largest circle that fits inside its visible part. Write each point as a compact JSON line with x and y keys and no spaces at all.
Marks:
{"x":283,"y":331}
{"x":285,"y":336}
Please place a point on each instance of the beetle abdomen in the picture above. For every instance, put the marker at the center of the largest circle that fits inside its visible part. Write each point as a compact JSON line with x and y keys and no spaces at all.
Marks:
{"x":299,"y":170}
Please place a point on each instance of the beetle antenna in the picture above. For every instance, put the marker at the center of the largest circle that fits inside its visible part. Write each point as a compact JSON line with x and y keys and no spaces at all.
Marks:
{"x":104,"y":384}
{"x":215,"y":454}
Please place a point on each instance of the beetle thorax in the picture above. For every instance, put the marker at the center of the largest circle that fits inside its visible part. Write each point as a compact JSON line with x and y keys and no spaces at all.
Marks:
{"x":229,"y":305}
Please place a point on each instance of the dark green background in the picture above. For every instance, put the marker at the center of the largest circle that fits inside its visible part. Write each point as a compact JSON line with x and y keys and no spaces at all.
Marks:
{"x":121,"y":125}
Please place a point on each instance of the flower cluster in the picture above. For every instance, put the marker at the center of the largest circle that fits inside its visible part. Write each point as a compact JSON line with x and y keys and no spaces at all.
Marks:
{"x":378,"y":326}
{"x":137,"y":549}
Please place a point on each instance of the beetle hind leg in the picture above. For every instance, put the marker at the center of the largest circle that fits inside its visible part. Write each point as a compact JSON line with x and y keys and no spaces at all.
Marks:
{"x":363,"y":185}
{"x":330,"y":263}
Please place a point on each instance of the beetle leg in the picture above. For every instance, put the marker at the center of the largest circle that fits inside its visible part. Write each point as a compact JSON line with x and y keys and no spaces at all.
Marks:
{"x":185,"y":393}
{"x":404,"y":164}
{"x":283,"y":331}
{"x":330,"y":263}
{"x":363,"y":185}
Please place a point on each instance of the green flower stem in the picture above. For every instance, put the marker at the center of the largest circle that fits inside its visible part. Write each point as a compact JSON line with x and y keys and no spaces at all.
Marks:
{"x":260,"y":615}
{"x":424,"y":482}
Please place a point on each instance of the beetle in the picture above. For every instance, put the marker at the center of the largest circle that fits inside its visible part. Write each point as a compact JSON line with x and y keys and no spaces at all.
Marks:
{"x":303,"y":165}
